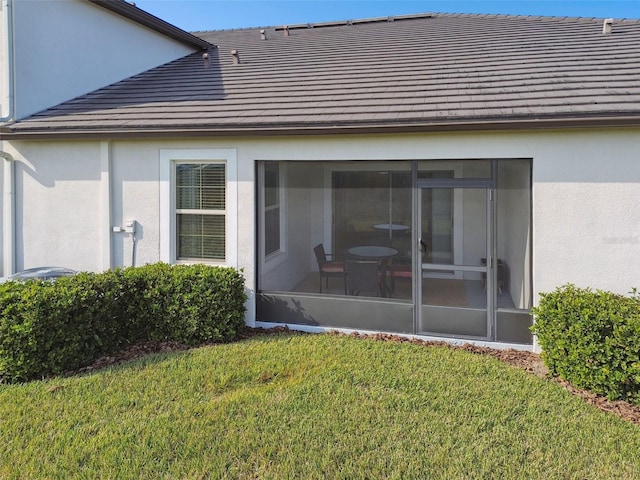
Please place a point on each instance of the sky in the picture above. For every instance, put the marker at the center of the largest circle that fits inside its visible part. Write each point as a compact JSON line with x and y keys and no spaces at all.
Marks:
{"x":197,"y":15}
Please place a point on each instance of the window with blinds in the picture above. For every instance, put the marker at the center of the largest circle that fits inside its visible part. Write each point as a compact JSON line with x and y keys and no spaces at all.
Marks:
{"x":200,"y":211}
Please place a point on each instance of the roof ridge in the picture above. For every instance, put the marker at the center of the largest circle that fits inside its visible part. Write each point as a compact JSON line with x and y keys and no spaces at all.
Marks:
{"x":414,"y":16}
{"x":535,"y":17}
{"x":330,"y":23}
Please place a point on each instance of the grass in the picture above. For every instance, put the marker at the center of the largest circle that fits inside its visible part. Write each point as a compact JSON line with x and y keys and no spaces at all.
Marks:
{"x":310,"y":406}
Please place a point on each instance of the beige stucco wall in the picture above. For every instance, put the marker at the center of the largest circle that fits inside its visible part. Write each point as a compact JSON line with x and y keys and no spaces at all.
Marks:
{"x":57,"y":205}
{"x":586,"y":196}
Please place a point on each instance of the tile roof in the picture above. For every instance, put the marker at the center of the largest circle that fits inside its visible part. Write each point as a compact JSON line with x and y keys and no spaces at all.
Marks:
{"x":417,"y":72}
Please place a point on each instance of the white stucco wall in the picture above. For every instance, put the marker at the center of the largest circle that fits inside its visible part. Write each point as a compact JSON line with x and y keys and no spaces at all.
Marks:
{"x":586,"y":196}
{"x":586,"y":222}
{"x":58,"y":205}
{"x":66,"y":48}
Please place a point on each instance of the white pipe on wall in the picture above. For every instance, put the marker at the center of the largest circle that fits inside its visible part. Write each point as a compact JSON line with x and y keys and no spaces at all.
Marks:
{"x":9,"y":97}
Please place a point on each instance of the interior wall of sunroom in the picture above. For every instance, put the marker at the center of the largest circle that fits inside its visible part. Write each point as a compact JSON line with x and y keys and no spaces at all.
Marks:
{"x":303,"y":228}
{"x":474,"y":229}
{"x":514,"y":229}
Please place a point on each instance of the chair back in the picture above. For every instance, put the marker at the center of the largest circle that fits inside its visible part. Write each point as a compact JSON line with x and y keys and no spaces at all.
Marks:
{"x":321,"y":256}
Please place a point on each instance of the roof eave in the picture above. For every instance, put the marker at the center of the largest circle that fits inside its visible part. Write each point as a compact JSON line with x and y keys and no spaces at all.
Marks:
{"x":6,"y":133}
{"x":138,"y":15}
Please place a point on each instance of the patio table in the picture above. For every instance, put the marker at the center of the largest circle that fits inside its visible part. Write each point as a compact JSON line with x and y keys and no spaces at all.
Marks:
{"x":396,"y":227}
{"x":374,"y":252}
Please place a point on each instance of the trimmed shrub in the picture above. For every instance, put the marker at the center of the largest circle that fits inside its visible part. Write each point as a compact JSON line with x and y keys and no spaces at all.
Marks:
{"x":190,"y":304}
{"x":51,"y":327}
{"x":592,"y":339}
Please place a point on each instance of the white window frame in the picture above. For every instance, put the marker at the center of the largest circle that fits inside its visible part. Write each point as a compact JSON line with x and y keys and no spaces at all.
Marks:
{"x":169,"y":158}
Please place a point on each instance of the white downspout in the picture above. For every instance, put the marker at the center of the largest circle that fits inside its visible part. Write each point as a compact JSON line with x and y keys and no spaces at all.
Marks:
{"x":9,"y":182}
{"x":8,"y":216}
{"x":9,"y":60}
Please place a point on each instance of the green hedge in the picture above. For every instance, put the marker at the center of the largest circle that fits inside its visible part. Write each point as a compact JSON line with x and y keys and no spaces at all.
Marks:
{"x":592,"y":339}
{"x":51,"y":327}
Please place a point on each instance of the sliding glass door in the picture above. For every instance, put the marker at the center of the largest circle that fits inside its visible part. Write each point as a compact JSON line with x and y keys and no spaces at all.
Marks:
{"x":473,"y":229}
{"x":454,"y":284}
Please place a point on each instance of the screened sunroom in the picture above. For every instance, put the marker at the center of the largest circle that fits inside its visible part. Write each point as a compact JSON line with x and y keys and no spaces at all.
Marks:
{"x":435,"y":247}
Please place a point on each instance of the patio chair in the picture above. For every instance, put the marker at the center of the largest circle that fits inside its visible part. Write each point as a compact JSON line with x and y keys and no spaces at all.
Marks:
{"x":329,"y":266}
{"x":398,"y":269}
{"x":365,"y":276}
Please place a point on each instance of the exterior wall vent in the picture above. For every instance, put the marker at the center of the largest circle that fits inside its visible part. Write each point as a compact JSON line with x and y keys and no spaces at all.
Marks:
{"x":606,"y":26}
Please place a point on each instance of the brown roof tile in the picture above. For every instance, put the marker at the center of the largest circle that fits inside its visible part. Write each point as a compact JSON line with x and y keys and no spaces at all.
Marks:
{"x":438,"y":69}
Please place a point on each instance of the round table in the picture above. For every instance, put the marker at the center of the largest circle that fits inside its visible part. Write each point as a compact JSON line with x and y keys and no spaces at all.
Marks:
{"x":372,"y":251}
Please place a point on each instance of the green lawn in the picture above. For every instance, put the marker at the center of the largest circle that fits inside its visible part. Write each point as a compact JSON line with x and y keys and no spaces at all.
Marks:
{"x":310,"y":406}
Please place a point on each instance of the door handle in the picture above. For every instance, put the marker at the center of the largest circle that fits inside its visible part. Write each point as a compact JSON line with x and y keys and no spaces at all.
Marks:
{"x":423,"y":246}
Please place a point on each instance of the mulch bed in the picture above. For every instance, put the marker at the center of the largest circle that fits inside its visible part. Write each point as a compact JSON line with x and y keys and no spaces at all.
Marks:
{"x":528,"y":361}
